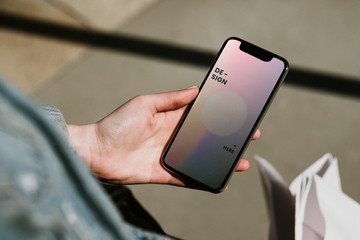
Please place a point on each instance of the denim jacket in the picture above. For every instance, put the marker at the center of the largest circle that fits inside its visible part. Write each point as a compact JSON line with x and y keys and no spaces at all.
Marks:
{"x":46,"y":191}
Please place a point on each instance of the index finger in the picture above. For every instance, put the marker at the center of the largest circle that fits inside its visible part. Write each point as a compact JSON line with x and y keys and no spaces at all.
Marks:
{"x":257,"y":134}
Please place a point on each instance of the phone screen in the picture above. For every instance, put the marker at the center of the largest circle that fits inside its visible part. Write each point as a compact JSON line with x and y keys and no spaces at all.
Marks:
{"x":213,"y":135}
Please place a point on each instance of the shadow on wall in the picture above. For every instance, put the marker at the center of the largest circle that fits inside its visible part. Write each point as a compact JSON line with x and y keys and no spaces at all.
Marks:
{"x":297,"y":77}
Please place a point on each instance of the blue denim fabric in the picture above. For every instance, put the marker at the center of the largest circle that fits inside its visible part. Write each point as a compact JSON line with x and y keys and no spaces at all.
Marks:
{"x":46,"y":192}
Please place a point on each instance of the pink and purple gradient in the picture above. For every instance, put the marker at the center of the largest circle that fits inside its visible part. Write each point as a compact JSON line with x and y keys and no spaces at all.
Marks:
{"x":196,"y":151}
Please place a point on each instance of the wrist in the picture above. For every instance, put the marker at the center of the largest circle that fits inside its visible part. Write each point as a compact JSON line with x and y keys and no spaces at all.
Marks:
{"x":83,"y":139}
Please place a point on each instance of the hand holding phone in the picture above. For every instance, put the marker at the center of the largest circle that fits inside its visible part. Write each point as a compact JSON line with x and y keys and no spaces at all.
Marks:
{"x":217,"y":127}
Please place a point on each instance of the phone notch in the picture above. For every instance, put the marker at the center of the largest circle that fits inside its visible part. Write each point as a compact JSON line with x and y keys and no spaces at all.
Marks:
{"x":256,"y":51}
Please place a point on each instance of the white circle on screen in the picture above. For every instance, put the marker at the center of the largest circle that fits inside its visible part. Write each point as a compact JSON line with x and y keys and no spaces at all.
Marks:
{"x":224,"y":113}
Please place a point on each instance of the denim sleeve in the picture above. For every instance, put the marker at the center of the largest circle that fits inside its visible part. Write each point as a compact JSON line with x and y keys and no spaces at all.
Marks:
{"x":46,"y":191}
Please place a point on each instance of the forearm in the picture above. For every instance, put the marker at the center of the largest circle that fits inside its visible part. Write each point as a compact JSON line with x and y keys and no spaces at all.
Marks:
{"x":82,"y":138}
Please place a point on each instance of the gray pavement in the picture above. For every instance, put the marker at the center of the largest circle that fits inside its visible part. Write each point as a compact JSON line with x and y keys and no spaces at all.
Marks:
{"x":299,"y":128}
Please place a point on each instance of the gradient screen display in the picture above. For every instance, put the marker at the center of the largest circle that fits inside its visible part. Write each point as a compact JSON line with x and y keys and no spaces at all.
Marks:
{"x":214,"y":133}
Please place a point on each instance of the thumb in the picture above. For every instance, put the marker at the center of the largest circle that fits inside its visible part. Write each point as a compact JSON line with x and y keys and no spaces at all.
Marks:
{"x":174,"y":100}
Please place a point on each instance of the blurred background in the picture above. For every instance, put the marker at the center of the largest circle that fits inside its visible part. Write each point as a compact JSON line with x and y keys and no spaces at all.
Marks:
{"x":89,"y":57}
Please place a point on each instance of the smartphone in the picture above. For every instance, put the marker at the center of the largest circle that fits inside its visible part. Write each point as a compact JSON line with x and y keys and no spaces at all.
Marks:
{"x":219,"y":124}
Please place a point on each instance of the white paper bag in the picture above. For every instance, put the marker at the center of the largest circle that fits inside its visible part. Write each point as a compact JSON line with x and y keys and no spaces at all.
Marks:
{"x":314,"y":204}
